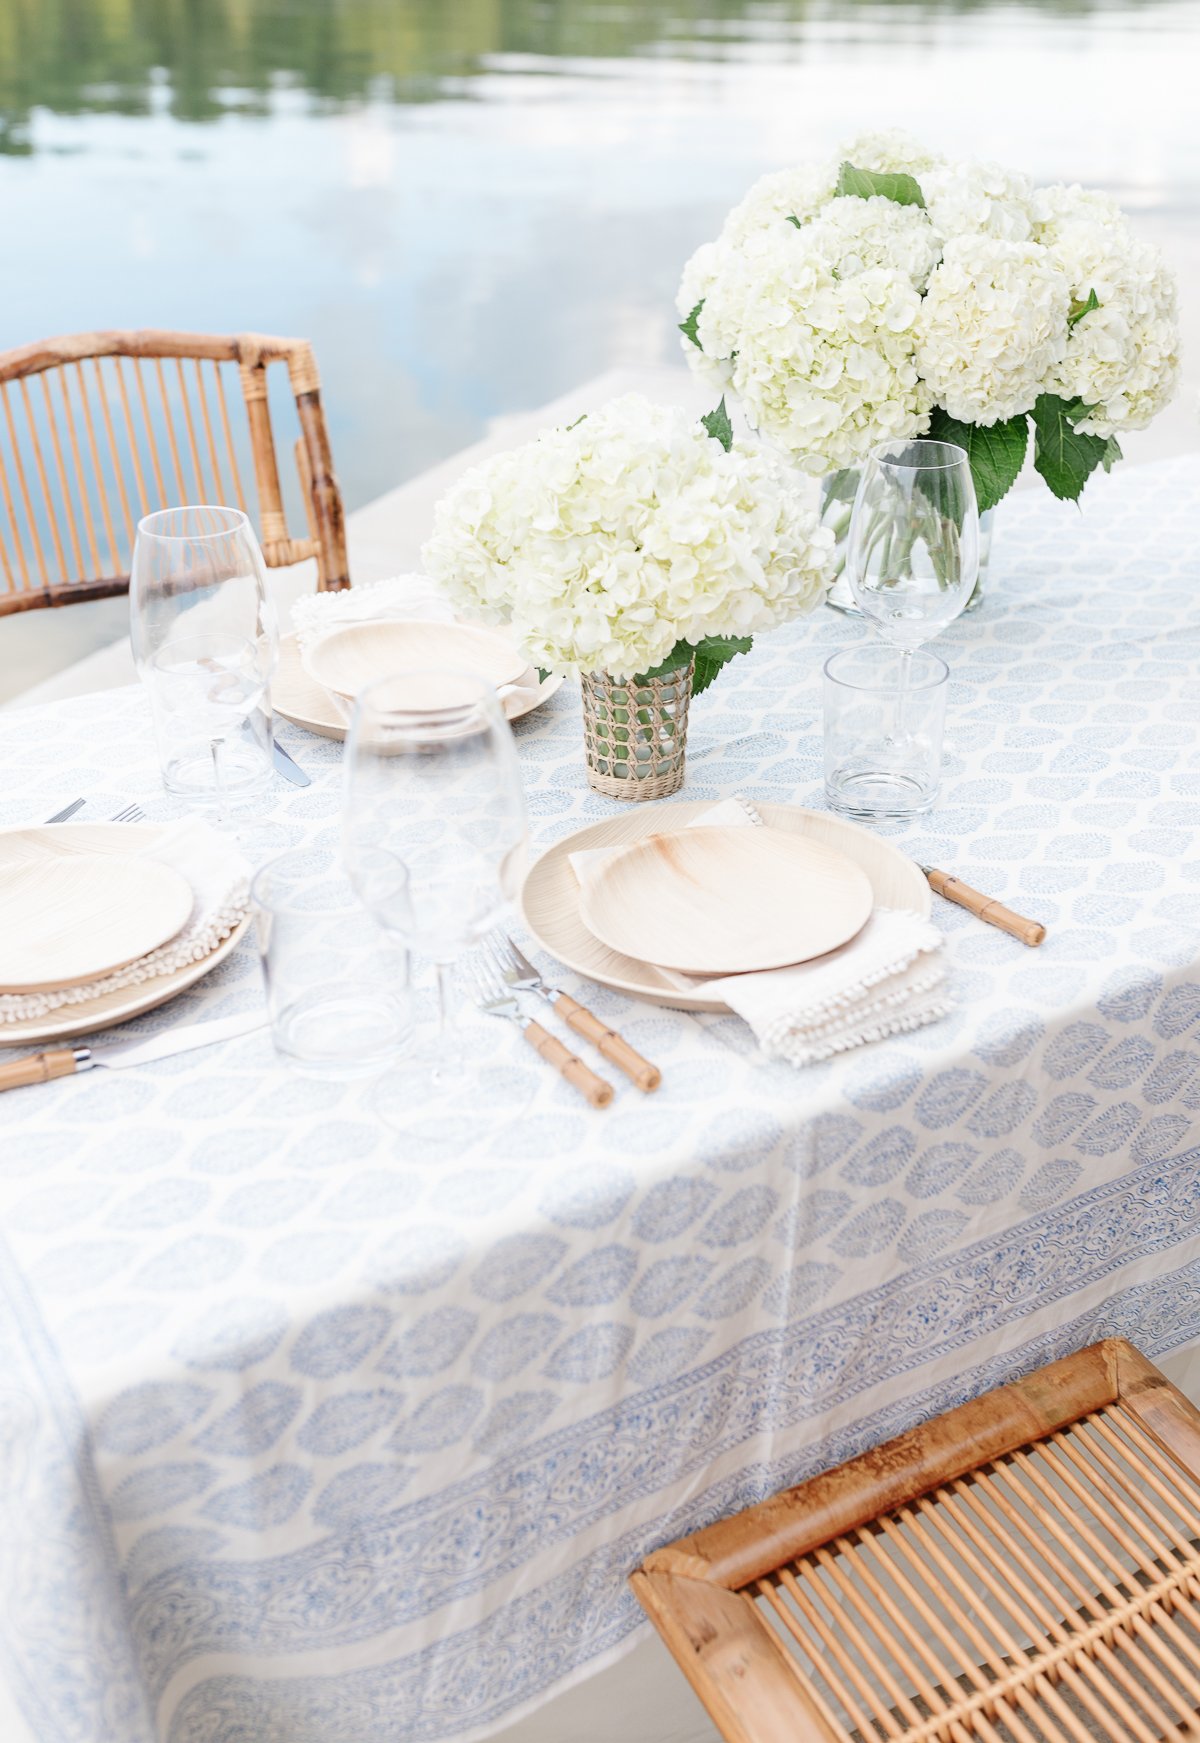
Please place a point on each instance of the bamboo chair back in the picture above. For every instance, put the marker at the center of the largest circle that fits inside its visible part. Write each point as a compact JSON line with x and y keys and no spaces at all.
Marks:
{"x":1024,"y":1569}
{"x":99,"y":429}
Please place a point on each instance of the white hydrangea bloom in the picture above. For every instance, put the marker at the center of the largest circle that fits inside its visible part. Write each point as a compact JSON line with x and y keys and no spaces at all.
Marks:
{"x":852,"y":235}
{"x":823,"y":364}
{"x":699,"y":276}
{"x":1122,"y":359}
{"x":1054,"y":208}
{"x":605,"y":544}
{"x":888,"y":152}
{"x":786,"y":193}
{"x":978,"y":199}
{"x":992,"y":327}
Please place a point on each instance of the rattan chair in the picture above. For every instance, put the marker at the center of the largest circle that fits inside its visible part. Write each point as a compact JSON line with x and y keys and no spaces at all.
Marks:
{"x":1023,"y":1569}
{"x":99,"y":429}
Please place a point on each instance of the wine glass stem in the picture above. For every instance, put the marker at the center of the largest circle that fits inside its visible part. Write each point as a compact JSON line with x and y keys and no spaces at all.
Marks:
{"x":215,"y":748}
{"x":445,"y":1003}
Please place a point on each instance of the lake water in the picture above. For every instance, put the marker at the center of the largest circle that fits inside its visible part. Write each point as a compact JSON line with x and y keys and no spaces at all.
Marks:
{"x":472,"y":205}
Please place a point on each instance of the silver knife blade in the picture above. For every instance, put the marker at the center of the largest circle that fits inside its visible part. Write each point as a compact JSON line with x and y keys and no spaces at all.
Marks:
{"x":288,"y":767}
{"x":117,"y":1055}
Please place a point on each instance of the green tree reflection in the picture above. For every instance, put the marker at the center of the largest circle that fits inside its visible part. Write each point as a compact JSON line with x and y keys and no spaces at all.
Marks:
{"x":202,"y":58}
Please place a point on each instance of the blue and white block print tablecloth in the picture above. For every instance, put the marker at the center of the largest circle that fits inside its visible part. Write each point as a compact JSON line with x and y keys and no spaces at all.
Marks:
{"x":305,"y":1441}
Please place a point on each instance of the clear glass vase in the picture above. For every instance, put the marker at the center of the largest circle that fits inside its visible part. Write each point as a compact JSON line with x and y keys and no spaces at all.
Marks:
{"x":837,"y":502}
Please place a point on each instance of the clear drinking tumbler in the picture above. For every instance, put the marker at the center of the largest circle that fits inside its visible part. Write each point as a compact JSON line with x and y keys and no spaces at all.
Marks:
{"x":337,"y":984}
{"x":883,"y":730}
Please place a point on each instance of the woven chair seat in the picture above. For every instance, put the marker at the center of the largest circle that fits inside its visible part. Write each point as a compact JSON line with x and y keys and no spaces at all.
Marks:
{"x":1023,"y":1569}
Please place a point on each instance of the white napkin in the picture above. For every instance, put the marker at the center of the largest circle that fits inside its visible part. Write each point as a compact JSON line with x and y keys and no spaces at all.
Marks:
{"x":400,"y":598}
{"x":219,"y":877}
{"x":886,"y":980}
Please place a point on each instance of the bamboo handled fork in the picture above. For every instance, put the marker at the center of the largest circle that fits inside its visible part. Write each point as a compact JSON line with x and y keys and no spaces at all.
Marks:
{"x":498,"y":1000}
{"x":518,"y":972}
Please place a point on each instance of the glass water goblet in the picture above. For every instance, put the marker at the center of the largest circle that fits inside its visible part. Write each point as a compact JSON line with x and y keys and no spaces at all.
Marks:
{"x":912,"y":558}
{"x":205,"y":637}
{"x":434,"y":838}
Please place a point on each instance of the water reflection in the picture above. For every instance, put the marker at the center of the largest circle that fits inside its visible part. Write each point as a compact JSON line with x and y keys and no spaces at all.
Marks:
{"x":208,"y":58}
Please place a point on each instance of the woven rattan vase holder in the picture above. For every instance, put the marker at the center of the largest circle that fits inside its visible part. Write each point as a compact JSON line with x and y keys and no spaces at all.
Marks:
{"x":635,"y":733}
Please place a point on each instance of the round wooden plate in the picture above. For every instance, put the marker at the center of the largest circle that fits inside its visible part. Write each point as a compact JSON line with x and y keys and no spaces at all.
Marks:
{"x":298,"y":698}
{"x":550,"y":898}
{"x":350,"y":658}
{"x":727,"y":901}
{"x":69,"y":914}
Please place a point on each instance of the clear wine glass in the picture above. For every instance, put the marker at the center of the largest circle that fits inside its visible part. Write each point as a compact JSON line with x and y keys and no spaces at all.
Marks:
{"x":434,"y":839}
{"x":912,"y":557}
{"x":206,"y":641}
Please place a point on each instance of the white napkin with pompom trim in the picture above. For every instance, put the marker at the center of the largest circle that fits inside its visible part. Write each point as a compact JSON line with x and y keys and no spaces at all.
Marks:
{"x":890,"y":978}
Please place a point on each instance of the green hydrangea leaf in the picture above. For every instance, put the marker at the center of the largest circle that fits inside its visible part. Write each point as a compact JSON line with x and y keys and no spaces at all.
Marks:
{"x":714,"y":652}
{"x":582,"y":418}
{"x":1079,"y":310}
{"x":1065,"y":457}
{"x":863,"y":183}
{"x":996,"y":452}
{"x":792,"y":219}
{"x":688,"y":327}
{"x":840,"y":486}
{"x":718,"y":425}
{"x":1112,"y":453}
{"x":679,"y":655}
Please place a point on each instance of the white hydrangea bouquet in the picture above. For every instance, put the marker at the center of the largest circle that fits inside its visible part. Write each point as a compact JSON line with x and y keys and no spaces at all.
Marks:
{"x":893,"y":294}
{"x":640,"y":550}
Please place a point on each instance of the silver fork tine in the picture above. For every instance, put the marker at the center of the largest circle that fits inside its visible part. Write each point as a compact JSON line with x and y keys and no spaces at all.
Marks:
{"x":488,"y":980}
{"x":499,"y":1000}
{"x":499,"y":955}
{"x":469,"y":968}
{"x":128,"y":814}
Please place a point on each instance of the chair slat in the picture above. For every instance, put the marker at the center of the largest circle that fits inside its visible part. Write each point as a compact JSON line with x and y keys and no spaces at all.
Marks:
{"x":139,"y":376}
{"x":23,"y":485}
{"x":218,"y":486}
{"x":80,"y":475}
{"x":193,"y":446}
{"x":52,"y":420}
{"x":169,"y":425}
{"x":101,"y":492}
{"x":233,"y":464}
{"x":114,"y":450}
{"x":39,"y":460}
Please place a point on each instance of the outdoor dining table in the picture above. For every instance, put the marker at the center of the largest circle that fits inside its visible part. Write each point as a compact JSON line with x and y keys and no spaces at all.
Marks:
{"x":303,"y":1438}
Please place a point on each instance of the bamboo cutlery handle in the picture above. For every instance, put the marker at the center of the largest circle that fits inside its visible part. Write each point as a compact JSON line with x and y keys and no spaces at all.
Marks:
{"x":609,"y":1043}
{"x":38,"y":1068}
{"x":1029,"y":932}
{"x":569,"y":1065}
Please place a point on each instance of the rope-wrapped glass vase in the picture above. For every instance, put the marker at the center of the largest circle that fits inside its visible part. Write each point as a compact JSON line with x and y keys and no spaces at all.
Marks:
{"x":635,"y":732}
